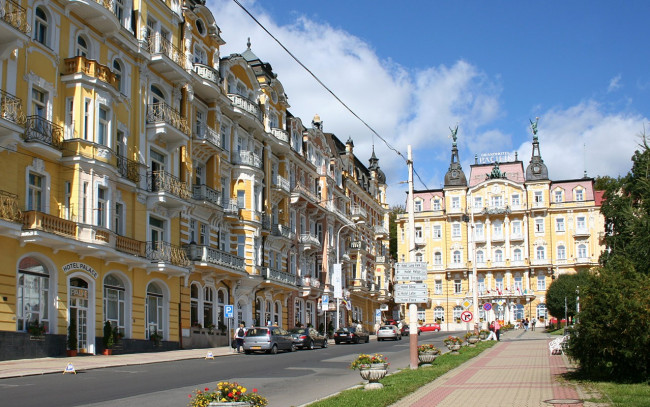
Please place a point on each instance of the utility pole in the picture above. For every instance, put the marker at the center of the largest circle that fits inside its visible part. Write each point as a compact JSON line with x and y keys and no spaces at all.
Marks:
{"x":413,"y":308}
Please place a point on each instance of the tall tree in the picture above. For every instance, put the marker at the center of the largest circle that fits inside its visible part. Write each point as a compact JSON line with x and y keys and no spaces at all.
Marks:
{"x":392,"y":216}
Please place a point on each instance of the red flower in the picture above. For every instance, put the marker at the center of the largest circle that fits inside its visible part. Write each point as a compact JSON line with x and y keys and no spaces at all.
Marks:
{"x":189,"y":395}
{"x":254,"y":390}
{"x":229,"y":394}
{"x":206,"y":389}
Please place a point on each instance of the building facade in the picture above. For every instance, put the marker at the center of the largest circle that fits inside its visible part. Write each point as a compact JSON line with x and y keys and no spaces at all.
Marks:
{"x":514,"y":226}
{"x":151,"y":182}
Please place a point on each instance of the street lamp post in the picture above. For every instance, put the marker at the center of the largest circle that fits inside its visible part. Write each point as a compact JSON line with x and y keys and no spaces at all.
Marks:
{"x":338,"y":263}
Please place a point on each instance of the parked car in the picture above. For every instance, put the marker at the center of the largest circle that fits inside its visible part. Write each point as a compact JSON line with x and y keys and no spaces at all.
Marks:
{"x":430,"y":327}
{"x":268,"y":339}
{"x":351,"y":335}
{"x":388,"y":332}
{"x":308,"y":338}
{"x":406,"y":330}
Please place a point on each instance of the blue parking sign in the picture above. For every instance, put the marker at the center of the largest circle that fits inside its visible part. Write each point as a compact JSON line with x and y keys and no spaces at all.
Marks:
{"x":228,"y":311}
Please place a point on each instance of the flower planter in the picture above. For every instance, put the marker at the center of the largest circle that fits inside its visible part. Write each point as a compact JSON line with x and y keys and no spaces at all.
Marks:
{"x":107,"y":352}
{"x":472,"y":340}
{"x":229,"y":404}
{"x":454,"y":348}
{"x":36,"y":337}
{"x":71,"y":353}
{"x":373,"y":373}
{"x":427,"y":357}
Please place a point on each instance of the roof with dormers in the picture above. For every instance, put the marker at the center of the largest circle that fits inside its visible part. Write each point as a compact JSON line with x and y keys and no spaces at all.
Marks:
{"x":568,"y":186}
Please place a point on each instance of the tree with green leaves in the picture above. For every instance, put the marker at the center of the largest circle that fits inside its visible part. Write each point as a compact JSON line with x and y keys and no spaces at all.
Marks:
{"x":611,"y":339}
{"x":565,"y":286}
{"x":392,"y":216}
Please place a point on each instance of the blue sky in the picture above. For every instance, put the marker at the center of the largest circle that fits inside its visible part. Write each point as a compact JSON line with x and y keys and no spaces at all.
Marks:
{"x":413,"y":69}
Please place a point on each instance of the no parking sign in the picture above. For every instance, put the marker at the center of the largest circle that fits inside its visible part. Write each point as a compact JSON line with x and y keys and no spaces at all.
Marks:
{"x":487,"y":306}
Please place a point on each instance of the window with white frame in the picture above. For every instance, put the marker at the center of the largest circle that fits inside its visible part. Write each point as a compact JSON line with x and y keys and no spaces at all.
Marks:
{"x":497,"y":229}
{"x":456,"y":257}
{"x":439,"y":314}
{"x":203,"y":234}
{"x":481,"y":284}
{"x":42,"y":26}
{"x":558,"y":196}
{"x":580,"y":195}
{"x":103,"y":121}
{"x":437,"y":231}
{"x":538,"y":197}
{"x":516,"y":228}
{"x":515,"y":200}
{"x":33,"y":296}
{"x":154,"y":310}
{"x":498,"y":283}
{"x":539,"y":225}
{"x":581,"y":223}
{"x":455,"y":202}
{"x":208,"y":307}
{"x":418,"y":234}
{"x":458,"y":286}
{"x":455,"y":230}
{"x":200,"y":56}
{"x":479,"y":230}
{"x":457,"y":311}
{"x":480,"y":257}
{"x":498,"y":256}
{"x":559,"y":224}
{"x":561,"y":252}
{"x":437,"y":287}
{"x":541,"y":282}
{"x":39,"y":105}
{"x":437,"y":258}
{"x":102,"y":207}
{"x":115,"y":303}
{"x":241,"y":245}
{"x":517,"y":255}
{"x":81,"y":48}
{"x":118,"y":222}
{"x":436,"y":204}
{"x":35,"y":195}
{"x":582,"y":251}
{"x":541,"y":311}
{"x":478,"y":202}
{"x":496,"y":201}
{"x":519,"y":284}
{"x":195,"y":290}
{"x":418,"y":205}
{"x":119,"y":74}
{"x":540,"y":253}
{"x":418,"y":257}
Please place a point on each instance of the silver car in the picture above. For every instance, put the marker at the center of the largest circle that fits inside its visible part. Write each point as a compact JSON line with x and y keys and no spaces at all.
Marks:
{"x":268,"y":339}
{"x":388,"y":332}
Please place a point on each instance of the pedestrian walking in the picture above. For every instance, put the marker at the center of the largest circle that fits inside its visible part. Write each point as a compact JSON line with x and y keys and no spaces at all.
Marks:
{"x":526,"y":324}
{"x":532,"y":323}
{"x":497,"y":329}
{"x":239,"y":337}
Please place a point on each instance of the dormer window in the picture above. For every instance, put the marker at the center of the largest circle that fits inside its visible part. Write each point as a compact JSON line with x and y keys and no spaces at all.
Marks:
{"x":200,"y":27}
{"x":580,"y":195}
{"x":418,"y":206}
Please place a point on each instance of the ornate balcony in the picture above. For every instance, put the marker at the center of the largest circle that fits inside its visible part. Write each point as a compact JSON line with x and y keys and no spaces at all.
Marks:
{"x":246,"y":108}
{"x":358,"y":213}
{"x":380,"y":232}
{"x":280,"y":134}
{"x":164,"y":252}
{"x":130,"y":246}
{"x":206,"y":81}
{"x":358,"y":245}
{"x":247,"y":158}
{"x":166,"y":125}
{"x":282,"y":231}
{"x":206,"y":254}
{"x":12,"y":119}
{"x":279,"y":276}
{"x":34,"y":220}
{"x":230,"y":209}
{"x":302,"y":192}
{"x":309,"y":241}
{"x":128,"y":169}
{"x":206,"y":194}
{"x":167,"y":190}
{"x":167,"y":59}
{"x":99,"y":14}
{"x":581,"y":232}
{"x":89,"y":72}
{"x":9,"y":209}
{"x":280,"y":183}
{"x":207,"y":142}
{"x":46,"y":136}
{"x":14,"y":29}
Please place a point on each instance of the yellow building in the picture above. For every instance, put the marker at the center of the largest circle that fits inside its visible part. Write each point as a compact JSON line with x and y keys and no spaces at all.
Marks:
{"x":515,"y":227}
{"x":151,"y":182}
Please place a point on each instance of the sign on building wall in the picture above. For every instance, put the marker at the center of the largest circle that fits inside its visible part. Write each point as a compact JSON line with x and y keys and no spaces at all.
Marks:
{"x":491,"y":158}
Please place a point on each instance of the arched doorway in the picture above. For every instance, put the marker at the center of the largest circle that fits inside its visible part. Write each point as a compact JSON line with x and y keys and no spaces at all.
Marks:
{"x":78,"y":314}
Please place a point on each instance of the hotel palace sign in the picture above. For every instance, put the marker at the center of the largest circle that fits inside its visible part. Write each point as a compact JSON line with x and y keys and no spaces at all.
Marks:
{"x":491,"y":158}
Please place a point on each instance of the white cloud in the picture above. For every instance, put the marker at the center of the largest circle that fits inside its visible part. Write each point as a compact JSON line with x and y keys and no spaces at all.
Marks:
{"x":584,"y":137}
{"x":614,"y":83}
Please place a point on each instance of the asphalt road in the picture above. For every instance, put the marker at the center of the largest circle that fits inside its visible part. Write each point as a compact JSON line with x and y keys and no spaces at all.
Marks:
{"x":286,"y":379}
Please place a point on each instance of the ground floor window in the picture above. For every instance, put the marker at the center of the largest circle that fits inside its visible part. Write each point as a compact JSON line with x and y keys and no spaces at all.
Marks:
{"x":154,"y":311}
{"x":542,"y":312}
{"x":439,"y":314}
{"x":115,"y":303}
{"x":33,"y":295}
{"x":457,"y":311}
{"x":519,"y":311}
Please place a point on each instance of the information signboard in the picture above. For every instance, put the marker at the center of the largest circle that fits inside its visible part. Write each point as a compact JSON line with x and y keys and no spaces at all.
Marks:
{"x":228,"y":311}
{"x":411,"y":271}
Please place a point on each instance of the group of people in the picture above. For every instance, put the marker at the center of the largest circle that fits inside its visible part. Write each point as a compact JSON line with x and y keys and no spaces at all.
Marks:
{"x":525,"y":323}
{"x":495,"y":331}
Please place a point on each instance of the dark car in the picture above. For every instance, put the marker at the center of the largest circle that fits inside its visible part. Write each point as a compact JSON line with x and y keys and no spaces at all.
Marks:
{"x":268,"y":339}
{"x":406,"y":330}
{"x":308,"y":338}
{"x":351,"y":335}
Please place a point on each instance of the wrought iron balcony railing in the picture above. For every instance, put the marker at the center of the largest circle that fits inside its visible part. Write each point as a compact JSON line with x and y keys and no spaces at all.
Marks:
{"x":161,"y":45}
{"x":44,"y":131}
{"x":208,"y":134}
{"x":246,"y":105}
{"x":205,"y":193}
{"x":160,"y":251}
{"x":11,"y":108}
{"x":15,"y":15}
{"x":129,"y":169}
{"x":206,"y":72}
{"x":161,"y":181}
{"x":163,"y":113}
{"x":280,"y":276}
{"x":214,"y":256}
{"x":283,"y":231}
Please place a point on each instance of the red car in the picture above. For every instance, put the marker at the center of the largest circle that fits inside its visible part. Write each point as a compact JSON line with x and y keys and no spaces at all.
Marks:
{"x":430,"y":327}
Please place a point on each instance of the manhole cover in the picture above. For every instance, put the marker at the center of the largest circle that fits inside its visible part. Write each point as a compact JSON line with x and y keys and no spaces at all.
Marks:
{"x":563,"y":401}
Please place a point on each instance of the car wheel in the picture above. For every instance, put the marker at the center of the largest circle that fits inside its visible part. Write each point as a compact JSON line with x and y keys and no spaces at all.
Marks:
{"x":273,"y":350}
{"x":311,"y":345}
{"x":292,"y":348}
{"x":357,"y":340}
{"x":324,"y":345}
{"x":367,"y":339}
{"x":379,"y":339}
{"x":248,"y":352}
{"x":399,"y":338}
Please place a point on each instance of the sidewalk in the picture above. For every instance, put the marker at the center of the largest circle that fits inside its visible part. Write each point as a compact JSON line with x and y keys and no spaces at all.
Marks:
{"x":517,"y":371}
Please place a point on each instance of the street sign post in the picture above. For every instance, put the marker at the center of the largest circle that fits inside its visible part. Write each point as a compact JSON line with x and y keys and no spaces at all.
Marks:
{"x":410,"y":293}
{"x":466,"y":316}
{"x":228,"y":311}
{"x":411,"y":271}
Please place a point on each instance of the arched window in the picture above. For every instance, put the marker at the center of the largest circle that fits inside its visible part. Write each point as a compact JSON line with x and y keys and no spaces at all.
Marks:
{"x":33,"y":297}
{"x":480,"y":257}
{"x":439,"y":314}
{"x":299,"y":311}
{"x":418,"y":256}
{"x":195,"y":291}
{"x":154,"y":310}
{"x":115,"y":303}
{"x":157,"y":95}
{"x":277,"y":314}
{"x":258,"y":312}
{"x":498,"y":255}
{"x":208,"y":307}
{"x":540,"y":253}
{"x":561,"y":252}
{"x":437,"y":258}
{"x":81,"y":49}
{"x":582,"y":251}
{"x":456,"y":257}
{"x":457,"y":311}
{"x":268,"y":310}
{"x":516,"y":255}
{"x":41,"y":26}
{"x":117,"y":70}
{"x":200,"y":56}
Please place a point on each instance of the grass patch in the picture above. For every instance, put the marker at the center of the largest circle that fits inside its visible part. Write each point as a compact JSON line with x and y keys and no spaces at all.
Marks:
{"x":403,"y":382}
{"x":613,"y":394}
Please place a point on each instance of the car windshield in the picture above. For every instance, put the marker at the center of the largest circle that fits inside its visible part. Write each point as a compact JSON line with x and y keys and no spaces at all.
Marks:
{"x":386,"y":328}
{"x":257,"y":332}
{"x":298,"y":331}
{"x":345,"y":330}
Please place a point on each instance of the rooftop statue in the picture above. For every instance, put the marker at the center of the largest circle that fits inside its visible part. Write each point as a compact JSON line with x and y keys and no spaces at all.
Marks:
{"x":533,"y":126}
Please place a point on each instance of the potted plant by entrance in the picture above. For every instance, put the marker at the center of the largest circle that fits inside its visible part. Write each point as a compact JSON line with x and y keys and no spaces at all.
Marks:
{"x":372,"y":368}
{"x":155,"y":337}
{"x":109,"y":338}
{"x":453,"y":343}
{"x":427,"y":353}
{"x":72,"y":339}
{"x":36,"y":331}
{"x":227,"y":394}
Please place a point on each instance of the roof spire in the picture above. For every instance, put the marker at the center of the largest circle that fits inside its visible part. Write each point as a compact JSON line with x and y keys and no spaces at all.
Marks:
{"x":455,"y":176}
{"x":536,"y":169}
{"x":248,"y":43}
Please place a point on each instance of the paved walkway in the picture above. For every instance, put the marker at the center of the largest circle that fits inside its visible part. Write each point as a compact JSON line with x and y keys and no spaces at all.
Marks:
{"x":517,"y":371}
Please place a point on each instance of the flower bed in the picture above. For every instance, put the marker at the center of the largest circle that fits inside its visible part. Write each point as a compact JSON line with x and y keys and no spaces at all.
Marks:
{"x":227,"y":392}
{"x":364,"y":360}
